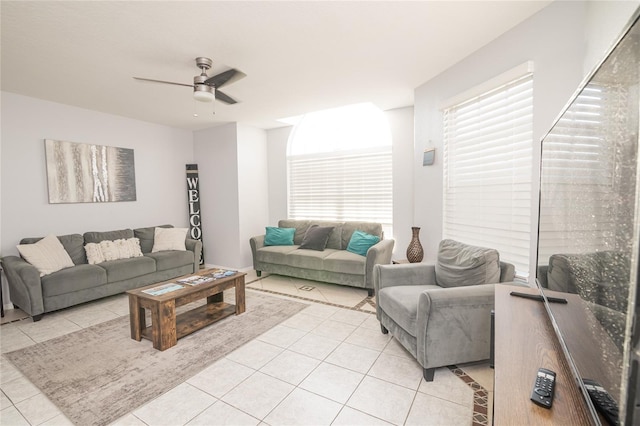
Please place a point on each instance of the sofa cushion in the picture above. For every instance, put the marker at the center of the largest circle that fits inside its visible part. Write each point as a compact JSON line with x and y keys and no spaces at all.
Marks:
{"x":274,"y":254}
{"x":171,"y":259}
{"x":145,"y":235}
{"x":401,"y":304}
{"x":124,"y":269}
{"x":275,"y":236}
{"x":169,"y":239}
{"x":96,"y":237}
{"x":68,"y":280}
{"x":460,"y":264}
{"x":316,"y":237}
{"x":47,"y":255}
{"x":308,"y":259}
{"x":344,"y":262}
{"x":361,"y":242}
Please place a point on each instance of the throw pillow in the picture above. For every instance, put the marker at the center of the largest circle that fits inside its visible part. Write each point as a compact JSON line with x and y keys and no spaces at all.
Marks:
{"x":316,"y":237}
{"x":361,"y":242}
{"x":279,"y":236}
{"x":133,"y":247}
{"x":107,"y":250}
{"x":47,"y":255}
{"x":460,"y":264}
{"x":169,"y":239}
{"x":94,"y":253}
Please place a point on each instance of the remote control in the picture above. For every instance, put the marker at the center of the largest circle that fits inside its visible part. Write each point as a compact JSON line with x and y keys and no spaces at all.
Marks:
{"x":538,"y":297}
{"x":544,"y":387}
{"x":603,"y":402}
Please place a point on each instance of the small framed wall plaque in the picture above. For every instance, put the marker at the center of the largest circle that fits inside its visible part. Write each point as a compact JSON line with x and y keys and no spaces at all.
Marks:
{"x":428,"y":156}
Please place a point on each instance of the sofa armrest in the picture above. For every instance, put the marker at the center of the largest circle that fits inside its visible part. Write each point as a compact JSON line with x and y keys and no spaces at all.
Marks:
{"x":256,"y":243}
{"x":378,"y":254}
{"x":507,"y":272}
{"x":403,"y":274}
{"x":25,"y":288}
{"x":454,"y":324}
{"x":399,"y":275}
{"x":196,"y":247}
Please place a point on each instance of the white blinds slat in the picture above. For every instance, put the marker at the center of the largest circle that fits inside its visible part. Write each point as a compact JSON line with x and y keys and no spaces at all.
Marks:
{"x":487,"y":171}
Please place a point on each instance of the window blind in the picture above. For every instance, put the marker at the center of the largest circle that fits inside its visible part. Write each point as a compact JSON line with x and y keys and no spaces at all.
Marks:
{"x":342,"y":185}
{"x":487,"y":171}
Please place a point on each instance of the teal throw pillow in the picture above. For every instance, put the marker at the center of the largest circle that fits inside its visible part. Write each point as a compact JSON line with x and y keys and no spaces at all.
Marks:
{"x":360,"y":242}
{"x":279,"y":236}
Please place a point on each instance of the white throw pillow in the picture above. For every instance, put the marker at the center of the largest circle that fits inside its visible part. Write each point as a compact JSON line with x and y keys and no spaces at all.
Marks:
{"x":94,"y":253}
{"x":112,"y":250}
{"x":47,"y":255}
{"x":133,"y":247}
{"x":169,"y":239}
{"x":109,"y":250}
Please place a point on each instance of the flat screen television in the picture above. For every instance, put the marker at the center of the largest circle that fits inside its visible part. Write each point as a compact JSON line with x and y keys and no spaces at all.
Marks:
{"x":589,"y":227}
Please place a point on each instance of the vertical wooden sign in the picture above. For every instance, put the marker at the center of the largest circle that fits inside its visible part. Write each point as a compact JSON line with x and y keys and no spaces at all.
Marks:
{"x":193,"y":200}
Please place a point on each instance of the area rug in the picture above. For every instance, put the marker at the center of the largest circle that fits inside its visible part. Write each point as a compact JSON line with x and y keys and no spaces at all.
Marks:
{"x":99,"y":374}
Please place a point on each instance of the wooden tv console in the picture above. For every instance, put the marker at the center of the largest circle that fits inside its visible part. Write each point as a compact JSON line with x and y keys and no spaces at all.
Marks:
{"x":525,"y":341}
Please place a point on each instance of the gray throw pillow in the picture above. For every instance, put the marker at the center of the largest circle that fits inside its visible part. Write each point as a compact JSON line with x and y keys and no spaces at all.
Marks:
{"x":316,"y":237}
{"x":460,"y":264}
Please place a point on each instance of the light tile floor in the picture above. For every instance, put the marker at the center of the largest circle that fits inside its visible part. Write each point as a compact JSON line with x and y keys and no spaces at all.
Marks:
{"x":326,"y":365}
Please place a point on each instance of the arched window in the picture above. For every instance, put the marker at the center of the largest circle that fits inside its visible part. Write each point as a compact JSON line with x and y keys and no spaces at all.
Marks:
{"x":339,"y":166}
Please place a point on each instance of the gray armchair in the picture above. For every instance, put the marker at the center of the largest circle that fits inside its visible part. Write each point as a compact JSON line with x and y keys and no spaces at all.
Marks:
{"x":441,"y":313}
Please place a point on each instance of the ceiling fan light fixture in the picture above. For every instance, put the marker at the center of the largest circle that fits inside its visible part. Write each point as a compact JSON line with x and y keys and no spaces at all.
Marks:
{"x":203,"y":93}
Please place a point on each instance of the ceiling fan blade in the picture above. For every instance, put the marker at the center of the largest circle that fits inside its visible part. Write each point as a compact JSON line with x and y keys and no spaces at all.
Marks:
{"x":162,"y":81}
{"x":225,"y":98}
{"x":225,"y":77}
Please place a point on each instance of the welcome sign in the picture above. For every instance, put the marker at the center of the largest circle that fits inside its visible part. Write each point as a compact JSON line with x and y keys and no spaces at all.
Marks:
{"x":193,"y":200}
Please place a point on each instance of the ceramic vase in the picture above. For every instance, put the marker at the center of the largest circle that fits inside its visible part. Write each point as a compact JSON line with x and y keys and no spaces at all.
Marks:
{"x":415,"y":253}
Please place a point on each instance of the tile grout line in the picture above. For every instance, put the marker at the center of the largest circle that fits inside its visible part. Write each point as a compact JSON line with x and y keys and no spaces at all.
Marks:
{"x":480,"y":415}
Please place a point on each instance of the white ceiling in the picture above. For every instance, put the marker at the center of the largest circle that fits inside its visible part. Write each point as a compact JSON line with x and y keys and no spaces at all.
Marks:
{"x":298,"y":56}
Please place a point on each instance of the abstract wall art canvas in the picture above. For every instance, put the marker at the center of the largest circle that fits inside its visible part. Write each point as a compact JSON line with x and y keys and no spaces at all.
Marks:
{"x":85,"y":173}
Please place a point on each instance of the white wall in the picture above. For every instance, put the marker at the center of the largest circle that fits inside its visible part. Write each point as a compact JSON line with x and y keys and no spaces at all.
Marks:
{"x":160,"y":156}
{"x":605,"y":20}
{"x":232,"y":163}
{"x":277,"y":140}
{"x":564,"y":40}
{"x":253,"y":188}
{"x":401,"y":126}
{"x":215,"y":151}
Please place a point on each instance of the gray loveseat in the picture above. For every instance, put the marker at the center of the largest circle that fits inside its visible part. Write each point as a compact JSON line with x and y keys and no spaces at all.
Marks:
{"x":84,"y":282}
{"x":334,"y":264}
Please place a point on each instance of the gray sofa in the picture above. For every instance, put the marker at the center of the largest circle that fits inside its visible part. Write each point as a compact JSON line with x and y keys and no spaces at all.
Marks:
{"x":332,"y":265}
{"x":84,"y":282}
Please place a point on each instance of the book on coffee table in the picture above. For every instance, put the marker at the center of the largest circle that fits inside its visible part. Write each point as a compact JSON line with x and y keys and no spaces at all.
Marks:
{"x":221,"y":273}
{"x":196,"y":279}
{"x":162,"y":289}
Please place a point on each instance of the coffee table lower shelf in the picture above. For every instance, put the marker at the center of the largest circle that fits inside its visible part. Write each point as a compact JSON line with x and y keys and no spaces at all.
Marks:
{"x":195,"y":319}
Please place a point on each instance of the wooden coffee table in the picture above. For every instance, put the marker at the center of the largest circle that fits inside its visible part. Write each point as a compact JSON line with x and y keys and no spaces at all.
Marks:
{"x":167,"y":327}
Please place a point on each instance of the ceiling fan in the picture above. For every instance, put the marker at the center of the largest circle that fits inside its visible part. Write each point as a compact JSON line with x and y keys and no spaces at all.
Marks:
{"x":205,"y":88}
